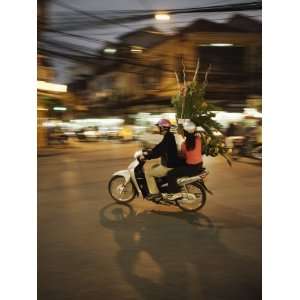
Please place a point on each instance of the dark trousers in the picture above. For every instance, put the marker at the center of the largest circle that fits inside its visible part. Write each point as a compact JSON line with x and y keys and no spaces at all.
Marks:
{"x":186,"y":170}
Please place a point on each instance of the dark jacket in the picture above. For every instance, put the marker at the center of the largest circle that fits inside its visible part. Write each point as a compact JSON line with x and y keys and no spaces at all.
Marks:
{"x":167,"y":150}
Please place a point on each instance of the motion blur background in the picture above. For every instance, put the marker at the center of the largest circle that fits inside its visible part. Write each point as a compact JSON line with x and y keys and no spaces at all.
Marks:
{"x":107,"y":68}
{"x":105,"y":75}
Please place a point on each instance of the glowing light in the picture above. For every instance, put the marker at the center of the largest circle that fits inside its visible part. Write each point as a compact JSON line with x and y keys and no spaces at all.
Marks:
{"x":49,"y":124}
{"x":225,"y":118}
{"x":110,"y":50}
{"x":252,"y":112}
{"x":171,"y":116}
{"x":90,"y":133}
{"x":101,"y":94}
{"x":136,"y":50}
{"x":221,"y":45}
{"x":42,"y":108}
{"x":51,"y":87}
{"x":99,"y":122}
{"x":59,"y":108}
{"x":162,"y":17}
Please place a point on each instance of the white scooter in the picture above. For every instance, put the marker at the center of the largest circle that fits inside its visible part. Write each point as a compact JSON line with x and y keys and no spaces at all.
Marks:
{"x":125,"y":185}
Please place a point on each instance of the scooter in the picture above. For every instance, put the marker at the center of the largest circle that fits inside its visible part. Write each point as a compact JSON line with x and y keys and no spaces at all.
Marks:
{"x":246,"y":147}
{"x":125,"y":185}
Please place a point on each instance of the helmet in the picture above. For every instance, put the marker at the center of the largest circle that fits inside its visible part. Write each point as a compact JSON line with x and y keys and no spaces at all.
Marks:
{"x":164,"y":123}
{"x":189,"y":126}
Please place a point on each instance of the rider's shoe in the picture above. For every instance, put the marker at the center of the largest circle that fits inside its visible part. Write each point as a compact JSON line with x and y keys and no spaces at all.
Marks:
{"x":172,"y":197}
{"x":154,"y":197}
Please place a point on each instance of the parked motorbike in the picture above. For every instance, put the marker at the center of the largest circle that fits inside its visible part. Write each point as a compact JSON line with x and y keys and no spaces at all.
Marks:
{"x":246,"y":147}
{"x":56,"y":136}
{"x":125,"y":185}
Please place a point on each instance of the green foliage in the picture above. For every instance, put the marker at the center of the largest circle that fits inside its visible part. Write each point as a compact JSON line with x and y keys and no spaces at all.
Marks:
{"x":191,"y":104}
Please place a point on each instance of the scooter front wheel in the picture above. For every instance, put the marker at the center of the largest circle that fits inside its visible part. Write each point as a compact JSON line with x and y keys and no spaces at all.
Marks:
{"x":121,"y":191}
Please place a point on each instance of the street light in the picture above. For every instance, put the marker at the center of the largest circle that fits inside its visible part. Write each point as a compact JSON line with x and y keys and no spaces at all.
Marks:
{"x":110,"y":50}
{"x":59,"y":108}
{"x":162,"y":16}
{"x":136,"y":49}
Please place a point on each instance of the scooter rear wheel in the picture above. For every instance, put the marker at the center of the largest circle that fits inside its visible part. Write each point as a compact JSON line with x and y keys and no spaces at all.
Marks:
{"x":120,"y":191}
{"x":195,"y":204}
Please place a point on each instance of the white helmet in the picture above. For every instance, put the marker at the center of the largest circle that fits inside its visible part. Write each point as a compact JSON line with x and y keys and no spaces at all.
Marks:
{"x":189,"y":126}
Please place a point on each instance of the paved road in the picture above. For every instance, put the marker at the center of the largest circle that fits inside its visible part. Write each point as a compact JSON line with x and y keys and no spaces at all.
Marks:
{"x":90,"y":248}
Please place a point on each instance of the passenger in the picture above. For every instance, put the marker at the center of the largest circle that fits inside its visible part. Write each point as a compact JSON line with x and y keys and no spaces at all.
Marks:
{"x":191,"y":150}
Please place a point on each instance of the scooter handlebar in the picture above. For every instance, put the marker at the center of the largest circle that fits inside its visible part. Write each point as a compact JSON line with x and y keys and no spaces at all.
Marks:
{"x":146,"y":152}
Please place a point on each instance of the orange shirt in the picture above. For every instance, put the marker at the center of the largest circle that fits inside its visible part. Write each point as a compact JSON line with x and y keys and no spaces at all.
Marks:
{"x":192,"y":157}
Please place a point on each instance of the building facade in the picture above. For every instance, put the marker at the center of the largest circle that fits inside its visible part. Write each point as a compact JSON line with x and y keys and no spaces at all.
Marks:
{"x":145,"y":62}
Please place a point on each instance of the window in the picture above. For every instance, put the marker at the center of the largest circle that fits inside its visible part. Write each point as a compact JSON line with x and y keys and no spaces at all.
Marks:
{"x":151,"y":77}
{"x":227,"y":64}
{"x":223,"y":59}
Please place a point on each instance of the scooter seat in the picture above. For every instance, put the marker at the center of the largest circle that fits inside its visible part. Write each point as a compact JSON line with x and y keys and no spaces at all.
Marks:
{"x":190,"y":179}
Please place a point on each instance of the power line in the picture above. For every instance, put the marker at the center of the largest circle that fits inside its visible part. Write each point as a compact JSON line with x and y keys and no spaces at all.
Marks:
{"x":49,"y":30}
{"x":73,"y":48}
{"x":86,"y":13}
{"x":76,"y":52}
{"x":211,"y":8}
{"x":138,"y":15}
{"x":83,"y":37}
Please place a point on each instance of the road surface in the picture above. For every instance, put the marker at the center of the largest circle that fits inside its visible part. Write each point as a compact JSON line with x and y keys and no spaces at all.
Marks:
{"x":90,"y":248}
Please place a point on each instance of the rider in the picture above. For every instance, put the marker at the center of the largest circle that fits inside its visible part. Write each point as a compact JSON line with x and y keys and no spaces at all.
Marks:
{"x":191,"y":150}
{"x":167,"y":150}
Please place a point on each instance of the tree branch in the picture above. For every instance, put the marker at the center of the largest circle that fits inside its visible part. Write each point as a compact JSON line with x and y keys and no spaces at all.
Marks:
{"x":196,"y":71}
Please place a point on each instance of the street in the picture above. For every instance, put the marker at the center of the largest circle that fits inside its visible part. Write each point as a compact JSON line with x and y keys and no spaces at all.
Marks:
{"x":90,"y":248}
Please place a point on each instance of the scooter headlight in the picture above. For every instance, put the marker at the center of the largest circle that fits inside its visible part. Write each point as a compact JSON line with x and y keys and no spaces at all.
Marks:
{"x":137,"y":154}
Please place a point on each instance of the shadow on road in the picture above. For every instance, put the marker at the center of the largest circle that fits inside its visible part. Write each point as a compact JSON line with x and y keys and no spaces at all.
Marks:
{"x":176,"y":255}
